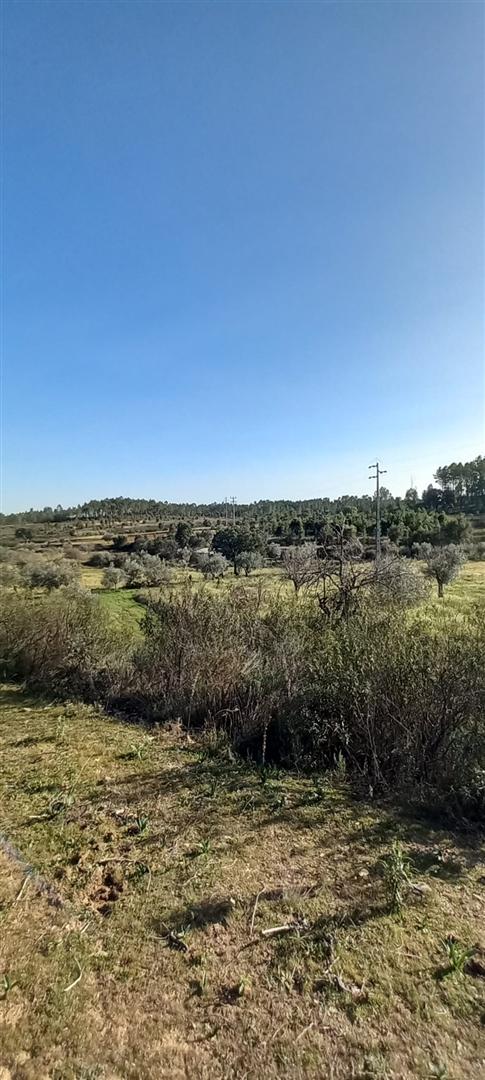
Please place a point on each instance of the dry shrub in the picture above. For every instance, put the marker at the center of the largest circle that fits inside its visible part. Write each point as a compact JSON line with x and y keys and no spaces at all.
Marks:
{"x":402,"y":700}
{"x":63,"y":643}
{"x":399,"y":698}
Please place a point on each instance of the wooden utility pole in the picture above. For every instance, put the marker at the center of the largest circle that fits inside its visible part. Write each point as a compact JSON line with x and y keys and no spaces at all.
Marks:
{"x":376,"y":476}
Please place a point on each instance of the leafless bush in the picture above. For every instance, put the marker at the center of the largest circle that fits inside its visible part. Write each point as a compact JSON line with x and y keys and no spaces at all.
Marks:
{"x":300,"y":565}
{"x":197,"y":655}
{"x":399,"y":581}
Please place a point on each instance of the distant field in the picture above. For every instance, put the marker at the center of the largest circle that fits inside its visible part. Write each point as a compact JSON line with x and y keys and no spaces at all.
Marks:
{"x":91,"y":577}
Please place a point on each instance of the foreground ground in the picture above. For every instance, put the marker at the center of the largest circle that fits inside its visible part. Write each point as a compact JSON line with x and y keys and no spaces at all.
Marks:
{"x":137,"y":873}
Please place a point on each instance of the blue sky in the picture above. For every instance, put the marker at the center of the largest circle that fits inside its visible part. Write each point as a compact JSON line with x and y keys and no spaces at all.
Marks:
{"x":244,"y":247}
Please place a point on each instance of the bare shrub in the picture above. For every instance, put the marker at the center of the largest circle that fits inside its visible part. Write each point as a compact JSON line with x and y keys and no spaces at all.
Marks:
{"x":300,"y":565}
{"x":403,"y":702}
{"x":10,"y":575}
{"x":70,"y":551}
{"x":399,"y":700}
{"x":196,"y":652}
{"x":476,"y":552}
{"x":400,"y":581}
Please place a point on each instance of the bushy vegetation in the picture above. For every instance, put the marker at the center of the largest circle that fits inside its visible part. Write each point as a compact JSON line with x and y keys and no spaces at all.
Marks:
{"x":145,"y":570}
{"x":400,"y":699}
{"x":27,"y":568}
{"x":62,"y":643}
{"x":50,"y":575}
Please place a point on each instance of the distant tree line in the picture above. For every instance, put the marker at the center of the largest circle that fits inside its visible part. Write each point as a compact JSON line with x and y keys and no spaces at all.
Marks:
{"x":459,"y":488}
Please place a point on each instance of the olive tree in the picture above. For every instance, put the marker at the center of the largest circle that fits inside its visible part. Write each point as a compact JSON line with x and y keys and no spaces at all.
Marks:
{"x":443,"y":564}
{"x":248,"y":560}
{"x":144,"y":571}
{"x":213,"y":565}
{"x":114,"y":578}
{"x":50,"y":575}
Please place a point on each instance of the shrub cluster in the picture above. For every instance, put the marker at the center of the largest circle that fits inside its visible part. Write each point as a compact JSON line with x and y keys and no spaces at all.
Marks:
{"x":399,"y":697}
{"x":63,"y":643}
{"x":403,"y":701}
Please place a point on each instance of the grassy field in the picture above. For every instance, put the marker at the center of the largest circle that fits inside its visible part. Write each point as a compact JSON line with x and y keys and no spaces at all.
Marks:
{"x":139,"y":871}
{"x":462,"y":595}
{"x":467,"y":591}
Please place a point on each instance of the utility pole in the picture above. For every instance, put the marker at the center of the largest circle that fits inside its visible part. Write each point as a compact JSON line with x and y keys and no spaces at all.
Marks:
{"x":226,"y":508}
{"x":233,"y":504}
{"x":376,"y":476}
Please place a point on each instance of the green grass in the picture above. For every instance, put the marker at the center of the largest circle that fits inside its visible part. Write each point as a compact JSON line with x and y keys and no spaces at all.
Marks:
{"x":170,"y":858}
{"x":461,"y":596}
{"x":467,"y":591}
{"x":122,"y":606}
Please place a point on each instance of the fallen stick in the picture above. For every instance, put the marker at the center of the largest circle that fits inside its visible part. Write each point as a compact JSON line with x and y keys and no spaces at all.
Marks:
{"x":75,"y":982}
{"x":272,"y":930}
{"x":254,"y":912}
{"x":305,"y":1029}
{"x":24,"y":883}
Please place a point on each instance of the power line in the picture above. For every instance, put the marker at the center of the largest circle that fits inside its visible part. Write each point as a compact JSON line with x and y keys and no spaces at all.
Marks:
{"x":376,"y":476}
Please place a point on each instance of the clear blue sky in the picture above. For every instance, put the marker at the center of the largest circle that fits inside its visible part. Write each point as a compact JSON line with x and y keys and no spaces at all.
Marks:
{"x":244,"y":246}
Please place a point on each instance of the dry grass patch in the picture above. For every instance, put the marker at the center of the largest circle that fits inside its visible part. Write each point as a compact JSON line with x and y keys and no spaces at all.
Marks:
{"x":171,"y":859}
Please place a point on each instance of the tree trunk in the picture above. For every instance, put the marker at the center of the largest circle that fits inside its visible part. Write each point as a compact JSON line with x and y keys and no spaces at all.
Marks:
{"x":440,"y":588}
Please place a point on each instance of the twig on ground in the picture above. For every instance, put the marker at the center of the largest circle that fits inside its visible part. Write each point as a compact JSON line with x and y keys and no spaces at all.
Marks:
{"x":305,"y":1029}
{"x":21,"y":890}
{"x":272,"y":930}
{"x":75,"y":982}
{"x":175,"y":940}
{"x":254,"y":912}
